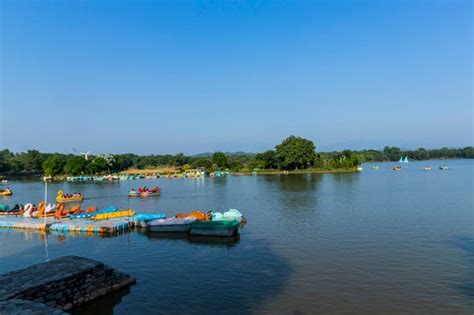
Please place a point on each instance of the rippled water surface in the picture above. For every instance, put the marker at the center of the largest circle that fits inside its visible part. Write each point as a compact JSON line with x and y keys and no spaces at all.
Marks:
{"x":368,"y":242}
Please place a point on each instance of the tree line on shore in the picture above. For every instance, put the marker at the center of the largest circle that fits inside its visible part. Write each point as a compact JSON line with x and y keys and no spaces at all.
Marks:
{"x":294,"y":153}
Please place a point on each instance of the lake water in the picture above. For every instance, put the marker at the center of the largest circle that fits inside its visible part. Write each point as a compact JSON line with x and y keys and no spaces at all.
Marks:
{"x":369,"y":242}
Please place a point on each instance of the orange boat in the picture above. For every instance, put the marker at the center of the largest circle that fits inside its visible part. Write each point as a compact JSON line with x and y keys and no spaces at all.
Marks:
{"x":62,"y":213}
{"x":198,"y":215}
{"x":78,"y":210}
{"x":42,"y":211}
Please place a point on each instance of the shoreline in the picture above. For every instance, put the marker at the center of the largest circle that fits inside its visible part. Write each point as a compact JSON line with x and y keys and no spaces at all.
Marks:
{"x":164,"y":175}
{"x":168,"y":172}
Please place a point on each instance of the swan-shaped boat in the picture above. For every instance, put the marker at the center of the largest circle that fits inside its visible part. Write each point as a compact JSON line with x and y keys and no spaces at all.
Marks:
{"x":6,"y":192}
{"x":61,"y":197}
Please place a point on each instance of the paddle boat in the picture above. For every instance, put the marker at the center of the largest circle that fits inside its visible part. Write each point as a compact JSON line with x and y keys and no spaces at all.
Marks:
{"x":61,"y":197}
{"x":113,"y":215}
{"x":64,"y":213}
{"x":48,"y":210}
{"x":215,"y":228}
{"x":427,"y":168}
{"x":93,"y":213}
{"x":443,"y":168}
{"x":6,"y":192}
{"x":30,"y":210}
{"x":16,"y":210}
{"x":397,"y":168}
{"x":198,"y":215}
{"x":142,"y":219}
{"x":144,"y":192}
{"x":133,"y":193}
{"x":232,"y":214}
{"x":170,"y":225}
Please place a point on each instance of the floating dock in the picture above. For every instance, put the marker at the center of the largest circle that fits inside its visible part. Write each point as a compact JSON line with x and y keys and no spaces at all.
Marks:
{"x":111,"y":226}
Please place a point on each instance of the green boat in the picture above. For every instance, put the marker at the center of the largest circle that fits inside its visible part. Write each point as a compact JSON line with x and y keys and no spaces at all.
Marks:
{"x":215,"y":228}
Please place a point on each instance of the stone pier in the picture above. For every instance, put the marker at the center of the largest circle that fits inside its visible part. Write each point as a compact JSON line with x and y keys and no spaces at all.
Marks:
{"x":58,"y":285}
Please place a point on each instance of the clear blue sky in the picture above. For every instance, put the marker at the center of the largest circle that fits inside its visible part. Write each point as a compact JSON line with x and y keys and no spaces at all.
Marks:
{"x":192,"y":76}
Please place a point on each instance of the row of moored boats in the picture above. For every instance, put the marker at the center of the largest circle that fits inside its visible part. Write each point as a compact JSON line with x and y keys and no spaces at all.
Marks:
{"x":195,"y":223}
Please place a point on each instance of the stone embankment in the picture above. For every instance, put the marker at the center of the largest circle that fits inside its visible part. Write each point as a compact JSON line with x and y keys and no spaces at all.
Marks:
{"x":58,"y":285}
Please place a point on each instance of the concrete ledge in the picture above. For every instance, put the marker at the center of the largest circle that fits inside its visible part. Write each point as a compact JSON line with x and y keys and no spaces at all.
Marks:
{"x":62,"y":283}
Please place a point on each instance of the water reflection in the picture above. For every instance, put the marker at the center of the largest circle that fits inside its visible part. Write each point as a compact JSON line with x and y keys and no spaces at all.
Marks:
{"x":295,"y":182}
{"x":206,"y":240}
{"x":297,"y":193}
{"x":104,"y":305}
{"x":467,"y":245}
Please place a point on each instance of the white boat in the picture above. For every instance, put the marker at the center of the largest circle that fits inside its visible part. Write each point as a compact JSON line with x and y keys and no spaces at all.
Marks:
{"x":427,"y":168}
{"x":170,"y":225}
{"x":443,"y":168}
{"x":232,"y":214}
{"x":375,"y":167}
{"x":30,"y":210}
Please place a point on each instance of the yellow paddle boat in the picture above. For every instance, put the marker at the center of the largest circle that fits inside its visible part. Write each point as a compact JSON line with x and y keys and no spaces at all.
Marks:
{"x":6,"y":192}
{"x":61,"y":197}
{"x":113,"y":215}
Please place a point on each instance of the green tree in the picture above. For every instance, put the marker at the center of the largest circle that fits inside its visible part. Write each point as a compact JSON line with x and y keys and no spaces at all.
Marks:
{"x":29,"y":161}
{"x":421,"y":154}
{"x":97,"y":166}
{"x":468,"y":153}
{"x":122,"y":162}
{"x":392,"y":153}
{"x":268,"y":159}
{"x":295,"y":152}
{"x":179,"y":159}
{"x":202,"y":162}
{"x":220,"y":159}
{"x":235,"y":166}
{"x":54,"y":165}
{"x":76,"y":166}
{"x":5,"y":157}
